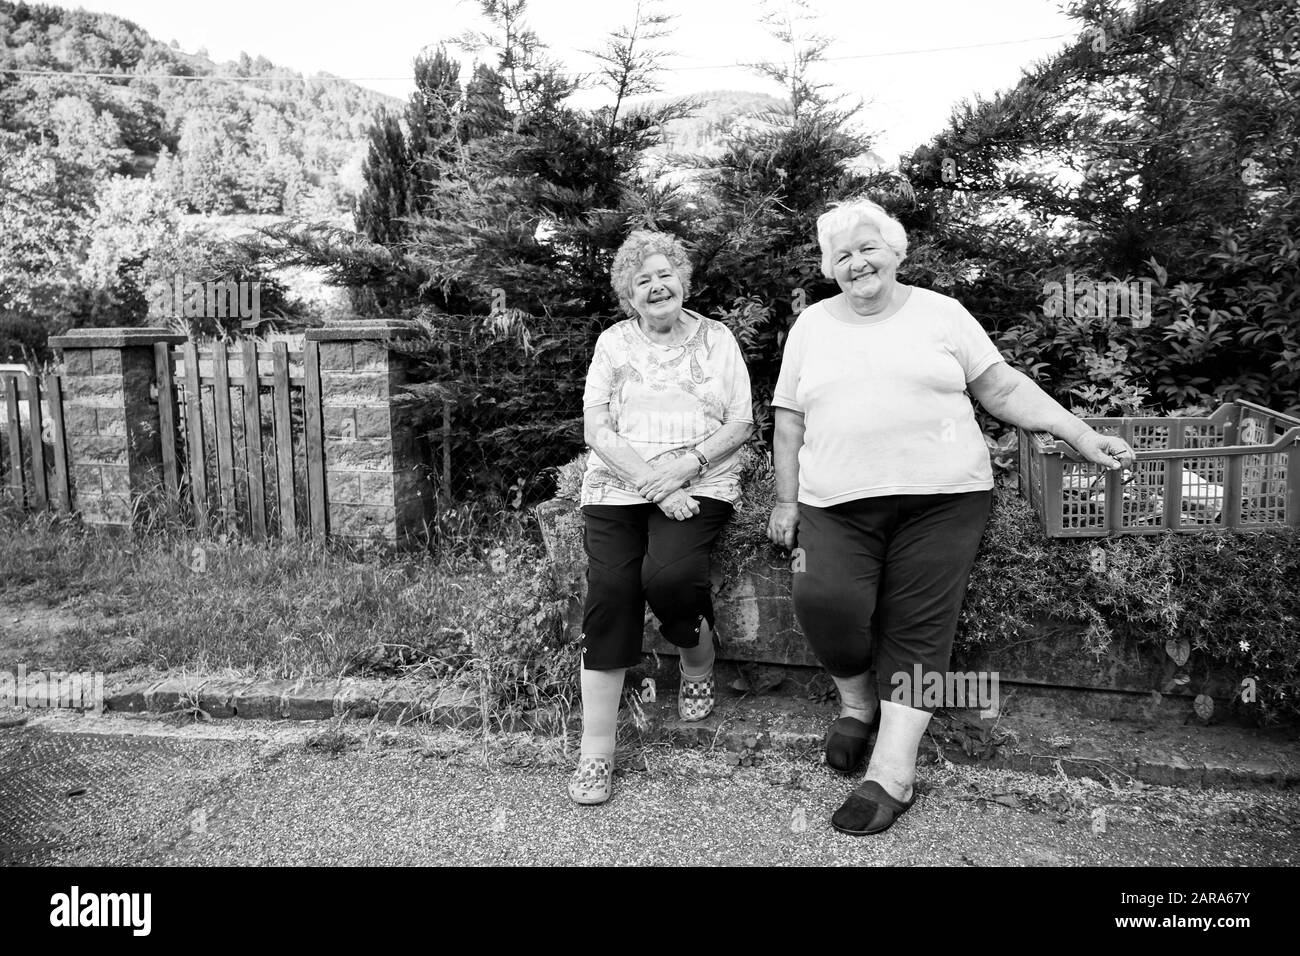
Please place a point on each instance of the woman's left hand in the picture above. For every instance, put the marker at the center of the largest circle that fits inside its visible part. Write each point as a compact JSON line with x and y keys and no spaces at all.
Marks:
{"x":680,"y":506}
{"x":670,"y":473}
{"x":1110,"y":451}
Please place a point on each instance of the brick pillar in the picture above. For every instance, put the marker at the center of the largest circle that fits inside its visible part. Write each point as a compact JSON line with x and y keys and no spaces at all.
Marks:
{"x":376,"y":476}
{"x":110,"y":419}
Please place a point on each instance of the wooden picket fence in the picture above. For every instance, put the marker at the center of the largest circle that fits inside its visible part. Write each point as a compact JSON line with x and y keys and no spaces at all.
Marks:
{"x":34,"y":463}
{"x":250,"y":452}
{"x":242,"y":437}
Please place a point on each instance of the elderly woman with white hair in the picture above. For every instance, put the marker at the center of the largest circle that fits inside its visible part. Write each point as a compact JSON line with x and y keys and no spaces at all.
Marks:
{"x":883,"y":481}
{"x":666,"y":410}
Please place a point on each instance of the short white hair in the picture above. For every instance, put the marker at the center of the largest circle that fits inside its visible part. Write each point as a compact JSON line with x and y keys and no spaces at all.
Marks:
{"x":846,"y":216}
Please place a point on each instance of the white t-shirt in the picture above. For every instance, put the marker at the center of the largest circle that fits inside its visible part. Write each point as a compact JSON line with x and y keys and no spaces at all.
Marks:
{"x":884,"y":404}
{"x":666,"y":398}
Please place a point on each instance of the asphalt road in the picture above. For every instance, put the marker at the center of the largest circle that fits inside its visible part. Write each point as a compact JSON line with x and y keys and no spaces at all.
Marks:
{"x":126,"y":791}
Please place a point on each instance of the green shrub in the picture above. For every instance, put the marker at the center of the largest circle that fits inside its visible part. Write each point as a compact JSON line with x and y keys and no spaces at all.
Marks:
{"x":1232,"y":596}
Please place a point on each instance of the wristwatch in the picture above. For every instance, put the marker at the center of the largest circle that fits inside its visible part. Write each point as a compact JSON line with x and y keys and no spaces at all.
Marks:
{"x":704,"y":462}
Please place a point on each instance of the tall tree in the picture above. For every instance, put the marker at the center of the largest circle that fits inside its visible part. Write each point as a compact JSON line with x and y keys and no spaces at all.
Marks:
{"x":388,"y":195}
{"x":485,"y":112}
{"x":758,"y":260}
{"x":1158,"y":146}
{"x":532,"y":80}
{"x":401,"y":164}
{"x":629,"y":60}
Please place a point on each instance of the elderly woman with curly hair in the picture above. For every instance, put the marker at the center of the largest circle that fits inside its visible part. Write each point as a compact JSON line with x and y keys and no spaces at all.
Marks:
{"x":883,"y":480}
{"x":665,"y":412}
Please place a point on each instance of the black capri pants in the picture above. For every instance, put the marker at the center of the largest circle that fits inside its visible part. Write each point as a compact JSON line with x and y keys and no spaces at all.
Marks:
{"x":636,"y":553}
{"x":903,"y":558}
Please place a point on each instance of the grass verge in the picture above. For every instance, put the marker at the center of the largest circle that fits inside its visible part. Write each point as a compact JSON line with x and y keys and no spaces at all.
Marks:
{"x":485,"y":620}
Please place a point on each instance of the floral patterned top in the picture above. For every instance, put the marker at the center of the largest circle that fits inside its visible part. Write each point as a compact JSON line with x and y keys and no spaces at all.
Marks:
{"x":665,"y":399}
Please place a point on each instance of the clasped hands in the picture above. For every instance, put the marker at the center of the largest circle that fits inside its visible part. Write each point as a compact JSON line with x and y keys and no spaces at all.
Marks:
{"x":664,"y":483}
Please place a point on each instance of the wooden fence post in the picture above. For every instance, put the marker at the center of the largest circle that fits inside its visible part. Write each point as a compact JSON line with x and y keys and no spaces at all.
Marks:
{"x":61,"y":493}
{"x":40,"y":492}
{"x":13,"y":438}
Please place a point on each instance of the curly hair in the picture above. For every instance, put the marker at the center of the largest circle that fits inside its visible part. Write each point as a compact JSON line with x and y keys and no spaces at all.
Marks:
{"x":635,"y":250}
{"x":842,"y":217}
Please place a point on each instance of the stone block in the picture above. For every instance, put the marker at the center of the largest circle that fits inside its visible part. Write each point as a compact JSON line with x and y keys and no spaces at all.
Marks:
{"x":110,"y":421}
{"x":261,"y":699}
{"x":87,"y":480}
{"x":413,"y":499}
{"x":399,"y":707}
{"x":130,"y":698}
{"x":136,"y":384}
{"x":1168,"y":769}
{"x":363,"y":521}
{"x":116,"y":479}
{"x":406,"y":448}
{"x":409,"y":483}
{"x":358,"y":698}
{"x":1259,"y":771}
{"x":455,"y":705}
{"x":92,"y":448}
{"x":76,"y":362}
{"x":216,"y":697}
{"x":114,"y":338}
{"x":1220,"y":772}
{"x":97,"y":391}
{"x":369,"y":356}
{"x":335,"y":355}
{"x":313,"y":702}
{"x":173,"y":693}
{"x":114,"y":509}
{"x":343,"y":487}
{"x":377,"y":488}
{"x":373,"y":421}
{"x":362,"y":455}
{"x":356,"y":329}
{"x":106,"y":361}
{"x":354,"y":388}
{"x":78,"y":420}
{"x":335,"y":420}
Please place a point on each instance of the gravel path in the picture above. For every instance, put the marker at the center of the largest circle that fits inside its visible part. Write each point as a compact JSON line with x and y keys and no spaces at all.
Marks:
{"x":125,"y":791}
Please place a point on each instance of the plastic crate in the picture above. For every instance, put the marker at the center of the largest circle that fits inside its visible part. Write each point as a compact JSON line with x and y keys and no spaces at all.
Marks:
{"x":1186,"y":469}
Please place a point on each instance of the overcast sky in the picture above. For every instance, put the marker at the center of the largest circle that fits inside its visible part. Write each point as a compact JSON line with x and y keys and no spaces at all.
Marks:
{"x":909,"y":94}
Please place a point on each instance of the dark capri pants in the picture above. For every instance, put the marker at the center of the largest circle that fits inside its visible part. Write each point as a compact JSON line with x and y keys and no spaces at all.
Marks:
{"x":636,"y":553}
{"x":902,"y":558}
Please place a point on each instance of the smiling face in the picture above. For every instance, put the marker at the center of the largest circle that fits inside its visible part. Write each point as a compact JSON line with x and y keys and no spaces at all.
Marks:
{"x":656,"y":291}
{"x":863,"y":265}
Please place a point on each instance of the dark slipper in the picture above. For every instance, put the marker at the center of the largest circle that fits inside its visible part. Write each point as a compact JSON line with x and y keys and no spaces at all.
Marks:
{"x":869,"y":809}
{"x":847,"y":742}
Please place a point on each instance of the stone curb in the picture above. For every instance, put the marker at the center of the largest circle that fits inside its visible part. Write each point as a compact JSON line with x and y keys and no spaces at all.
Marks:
{"x":746,"y":735}
{"x":297,"y":700}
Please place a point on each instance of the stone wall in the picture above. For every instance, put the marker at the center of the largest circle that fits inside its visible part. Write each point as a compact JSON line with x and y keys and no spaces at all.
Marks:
{"x":756,"y":623}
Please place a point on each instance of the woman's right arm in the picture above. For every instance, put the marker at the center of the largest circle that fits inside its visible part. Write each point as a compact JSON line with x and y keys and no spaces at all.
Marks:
{"x":617,"y":454}
{"x":598,"y":431}
{"x":787,"y":439}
